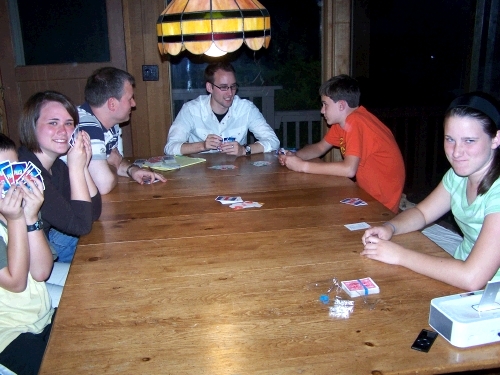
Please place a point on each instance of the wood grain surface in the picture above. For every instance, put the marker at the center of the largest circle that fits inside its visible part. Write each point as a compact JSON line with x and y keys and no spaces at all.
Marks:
{"x":170,"y":281}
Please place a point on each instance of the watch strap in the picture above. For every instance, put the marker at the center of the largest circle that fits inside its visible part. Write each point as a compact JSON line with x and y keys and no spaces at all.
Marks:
{"x":37,"y":226}
{"x":129,"y":168}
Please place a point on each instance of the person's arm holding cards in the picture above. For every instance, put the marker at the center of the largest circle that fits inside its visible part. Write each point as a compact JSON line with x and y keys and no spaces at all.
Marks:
{"x":77,"y":164}
{"x":88,"y":178}
{"x":212,"y":142}
{"x":140,"y":175}
{"x":41,"y":260}
{"x":300,"y":162}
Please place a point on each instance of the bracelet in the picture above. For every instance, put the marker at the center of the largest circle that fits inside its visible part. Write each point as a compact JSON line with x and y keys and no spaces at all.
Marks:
{"x":392,"y":226}
{"x":128,"y":169}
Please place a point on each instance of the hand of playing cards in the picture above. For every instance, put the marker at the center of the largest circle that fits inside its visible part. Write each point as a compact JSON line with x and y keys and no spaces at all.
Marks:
{"x":15,"y":173}
{"x":72,"y":139}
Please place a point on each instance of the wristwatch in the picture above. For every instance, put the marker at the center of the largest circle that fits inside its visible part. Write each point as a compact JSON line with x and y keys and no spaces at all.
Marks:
{"x":130,"y":167}
{"x":37,"y":226}
{"x":248,"y":150}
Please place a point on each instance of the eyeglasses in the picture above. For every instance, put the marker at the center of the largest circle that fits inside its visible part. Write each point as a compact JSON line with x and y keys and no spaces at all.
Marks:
{"x":233,"y":87}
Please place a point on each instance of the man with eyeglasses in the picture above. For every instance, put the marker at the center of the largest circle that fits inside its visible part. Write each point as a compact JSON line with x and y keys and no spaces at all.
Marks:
{"x":203,"y":123}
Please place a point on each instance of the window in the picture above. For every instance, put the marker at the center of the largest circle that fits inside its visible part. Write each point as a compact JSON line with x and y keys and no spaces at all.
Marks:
{"x":59,"y":31}
{"x":412,"y":52}
{"x":293,"y":59}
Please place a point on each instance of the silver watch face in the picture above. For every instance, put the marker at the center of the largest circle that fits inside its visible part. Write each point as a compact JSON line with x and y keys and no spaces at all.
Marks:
{"x":248,"y":149}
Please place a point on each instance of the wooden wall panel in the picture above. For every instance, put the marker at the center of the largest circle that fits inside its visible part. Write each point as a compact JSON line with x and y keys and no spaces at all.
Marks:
{"x":153,"y":116}
{"x":336,"y":50}
{"x":20,"y":82}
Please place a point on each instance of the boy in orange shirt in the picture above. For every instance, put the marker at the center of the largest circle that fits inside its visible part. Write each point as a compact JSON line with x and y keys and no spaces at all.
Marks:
{"x":369,"y":151}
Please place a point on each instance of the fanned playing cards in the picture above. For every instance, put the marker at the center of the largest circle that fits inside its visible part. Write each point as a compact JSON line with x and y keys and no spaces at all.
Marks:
{"x":15,"y":173}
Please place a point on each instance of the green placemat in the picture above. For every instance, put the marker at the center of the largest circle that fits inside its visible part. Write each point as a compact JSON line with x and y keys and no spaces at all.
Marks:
{"x":180,"y":162}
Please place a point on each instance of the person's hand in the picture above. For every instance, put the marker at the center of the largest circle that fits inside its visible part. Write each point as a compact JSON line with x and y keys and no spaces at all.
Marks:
{"x":33,"y":198}
{"x":145,"y":176}
{"x":383,"y":232}
{"x":77,"y":155}
{"x":11,"y":204}
{"x":292,"y":162}
{"x":212,"y":142}
{"x":281,"y":159}
{"x":232,"y":148}
{"x":383,"y":250}
{"x":87,"y":145}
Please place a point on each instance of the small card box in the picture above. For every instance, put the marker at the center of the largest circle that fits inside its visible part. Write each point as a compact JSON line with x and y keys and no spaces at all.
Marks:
{"x":360,"y":287}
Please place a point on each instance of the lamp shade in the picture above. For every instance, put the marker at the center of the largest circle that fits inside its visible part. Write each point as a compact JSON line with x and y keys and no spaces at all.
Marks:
{"x":213,"y":27}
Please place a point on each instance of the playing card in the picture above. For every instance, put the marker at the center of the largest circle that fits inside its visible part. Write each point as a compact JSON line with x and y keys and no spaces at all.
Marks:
{"x":18,"y":169}
{"x":6,"y":184}
{"x":33,"y":171}
{"x":9,"y":174}
{"x":226,"y":140}
{"x":359,"y":202}
{"x":357,"y":226}
{"x":3,"y":164}
{"x":354,"y":201}
{"x":228,"y":200}
{"x":245,"y":204}
{"x":73,"y":136}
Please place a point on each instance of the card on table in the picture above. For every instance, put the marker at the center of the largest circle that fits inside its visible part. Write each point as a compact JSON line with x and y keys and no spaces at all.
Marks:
{"x":245,"y":204}
{"x":224,"y":199}
{"x":223,"y":167}
{"x":354,"y":201}
{"x":261,"y":163}
{"x":357,"y":226}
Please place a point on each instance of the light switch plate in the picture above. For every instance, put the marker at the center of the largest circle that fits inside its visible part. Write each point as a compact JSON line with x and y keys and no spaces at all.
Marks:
{"x":150,"y":73}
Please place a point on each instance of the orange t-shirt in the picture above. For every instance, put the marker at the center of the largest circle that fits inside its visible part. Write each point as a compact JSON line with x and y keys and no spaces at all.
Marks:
{"x":381,"y":170}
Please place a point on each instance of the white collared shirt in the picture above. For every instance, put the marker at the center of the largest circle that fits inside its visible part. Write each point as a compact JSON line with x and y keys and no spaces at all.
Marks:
{"x":196,"y":121}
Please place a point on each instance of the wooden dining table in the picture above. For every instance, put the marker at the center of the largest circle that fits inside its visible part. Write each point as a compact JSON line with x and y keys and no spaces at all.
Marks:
{"x":170,"y":281}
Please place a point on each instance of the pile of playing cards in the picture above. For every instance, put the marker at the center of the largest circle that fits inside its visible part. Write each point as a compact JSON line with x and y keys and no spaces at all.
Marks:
{"x":360,"y":287}
{"x":354,"y":201}
{"x":261,"y":163}
{"x":223,"y":167}
{"x":237,"y":203}
{"x":14,"y":173}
